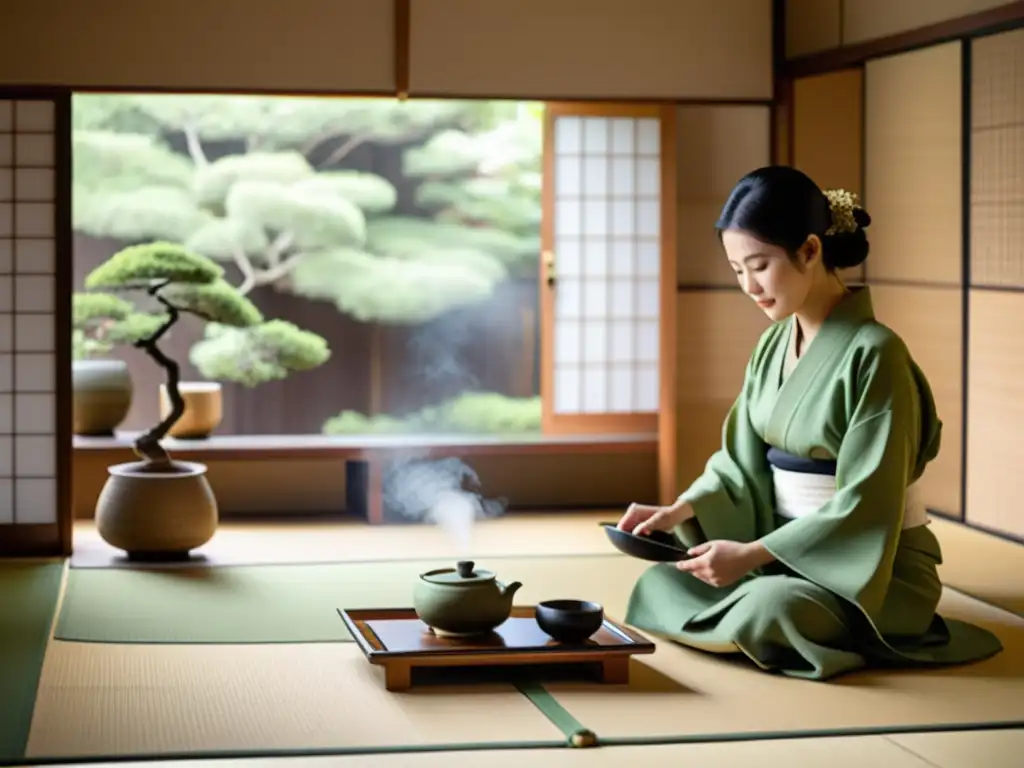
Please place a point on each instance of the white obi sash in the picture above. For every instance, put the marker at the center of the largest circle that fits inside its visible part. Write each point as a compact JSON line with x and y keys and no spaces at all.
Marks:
{"x":798,"y":494}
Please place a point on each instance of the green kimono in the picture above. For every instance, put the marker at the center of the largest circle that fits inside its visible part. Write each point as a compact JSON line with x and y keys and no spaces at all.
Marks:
{"x":849,"y":587}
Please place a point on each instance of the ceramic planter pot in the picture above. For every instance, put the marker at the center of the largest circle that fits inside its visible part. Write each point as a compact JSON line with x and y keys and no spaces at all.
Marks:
{"x":204,"y":409}
{"x":157,"y":512}
{"x":102,"y":395}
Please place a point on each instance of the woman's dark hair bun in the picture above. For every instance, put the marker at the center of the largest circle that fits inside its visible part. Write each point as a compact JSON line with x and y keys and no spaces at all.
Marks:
{"x":783,"y":207}
{"x":845,"y":249}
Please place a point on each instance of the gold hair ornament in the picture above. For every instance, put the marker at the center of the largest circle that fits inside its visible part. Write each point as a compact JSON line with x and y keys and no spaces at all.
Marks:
{"x":843,"y":204}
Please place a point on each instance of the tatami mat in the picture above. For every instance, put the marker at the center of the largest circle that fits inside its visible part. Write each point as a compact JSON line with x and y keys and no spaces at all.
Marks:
{"x":298,"y":603}
{"x":123,"y":699}
{"x":971,"y":749}
{"x":982,"y":565}
{"x":987,"y":749}
{"x":680,"y":692}
{"x":110,"y":700}
{"x":282,"y":541}
{"x":29,"y":594}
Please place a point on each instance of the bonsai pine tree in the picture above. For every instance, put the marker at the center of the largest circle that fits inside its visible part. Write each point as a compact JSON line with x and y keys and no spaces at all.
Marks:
{"x":101,"y":320}
{"x":180,"y":281}
{"x":254,"y":354}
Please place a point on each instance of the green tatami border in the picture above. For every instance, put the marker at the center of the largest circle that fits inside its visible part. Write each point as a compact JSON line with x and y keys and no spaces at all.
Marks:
{"x":712,"y":738}
{"x":30,"y":592}
{"x":575,"y":732}
{"x":821,"y":733}
{"x":253,"y":754}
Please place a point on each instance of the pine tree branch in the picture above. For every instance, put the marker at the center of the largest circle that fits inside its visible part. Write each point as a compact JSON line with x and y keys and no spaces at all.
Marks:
{"x":148,"y":446}
{"x":340,"y":153}
{"x":246,"y":268}
{"x":275,"y":273}
{"x":277,"y":248}
{"x":195,"y":146}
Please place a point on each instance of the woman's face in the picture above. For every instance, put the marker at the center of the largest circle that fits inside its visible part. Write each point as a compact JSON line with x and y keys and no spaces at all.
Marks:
{"x":768,"y":275}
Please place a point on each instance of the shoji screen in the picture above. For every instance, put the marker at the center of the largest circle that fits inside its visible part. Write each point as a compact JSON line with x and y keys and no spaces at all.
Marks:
{"x":995,"y":387}
{"x":29,"y":447}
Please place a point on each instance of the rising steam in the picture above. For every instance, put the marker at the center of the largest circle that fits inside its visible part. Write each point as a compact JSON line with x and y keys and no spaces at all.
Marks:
{"x":443,"y":492}
{"x":435,"y":492}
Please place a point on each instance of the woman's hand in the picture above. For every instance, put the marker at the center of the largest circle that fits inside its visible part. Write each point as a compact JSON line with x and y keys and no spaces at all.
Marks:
{"x":641,"y":519}
{"x":722,"y":562}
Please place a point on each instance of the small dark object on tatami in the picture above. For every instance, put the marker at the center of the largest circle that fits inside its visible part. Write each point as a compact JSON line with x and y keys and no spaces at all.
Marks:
{"x":569,"y":621}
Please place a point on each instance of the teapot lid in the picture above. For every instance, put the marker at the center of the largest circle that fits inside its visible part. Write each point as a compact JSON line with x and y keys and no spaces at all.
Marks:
{"x":462,"y":574}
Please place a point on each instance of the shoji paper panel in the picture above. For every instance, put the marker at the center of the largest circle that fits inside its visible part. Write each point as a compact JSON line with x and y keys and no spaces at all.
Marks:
{"x":28,"y":377}
{"x":995,"y":447}
{"x":828,"y":138}
{"x":995,"y":410}
{"x":300,"y":45}
{"x":717,"y":333}
{"x":607,"y":202}
{"x":592,"y":48}
{"x":716,"y":146}
{"x":812,"y":26}
{"x":997,"y":160}
{"x":929,"y":320}
{"x":869,"y":19}
{"x":913,"y":165}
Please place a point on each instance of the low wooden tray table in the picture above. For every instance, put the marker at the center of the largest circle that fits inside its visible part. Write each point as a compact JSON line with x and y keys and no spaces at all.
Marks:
{"x":397,"y":640}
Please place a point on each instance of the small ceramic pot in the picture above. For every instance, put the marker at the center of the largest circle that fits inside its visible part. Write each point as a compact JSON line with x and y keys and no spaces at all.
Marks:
{"x":102,"y":395}
{"x":204,"y":409}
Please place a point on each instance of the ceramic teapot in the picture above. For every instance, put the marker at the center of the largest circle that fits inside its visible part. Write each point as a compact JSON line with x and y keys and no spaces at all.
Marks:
{"x":462,"y":601}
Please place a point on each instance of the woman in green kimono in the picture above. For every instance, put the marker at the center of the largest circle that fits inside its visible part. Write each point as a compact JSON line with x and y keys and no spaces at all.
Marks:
{"x":809,"y":546}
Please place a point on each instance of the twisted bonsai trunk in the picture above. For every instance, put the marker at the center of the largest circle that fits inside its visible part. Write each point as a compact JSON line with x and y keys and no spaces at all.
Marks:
{"x":148,"y":446}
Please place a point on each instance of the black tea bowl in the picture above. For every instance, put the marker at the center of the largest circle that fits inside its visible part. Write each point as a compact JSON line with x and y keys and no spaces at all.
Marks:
{"x":569,"y":621}
{"x":657,"y":546}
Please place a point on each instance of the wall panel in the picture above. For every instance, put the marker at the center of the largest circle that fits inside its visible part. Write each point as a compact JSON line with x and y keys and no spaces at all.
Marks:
{"x":997,"y":160}
{"x":995,"y":409}
{"x":812,"y":26}
{"x":929,"y":321}
{"x":717,"y":334}
{"x":865,"y":20}
{"x":716,"y":146}
{"x":912,"y":146}
{"x":29,"y":372}
{"x":828,"y":135}
{"x":301,"y":45}
{"x":592,"y":48}
{"x":828,"y":128}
